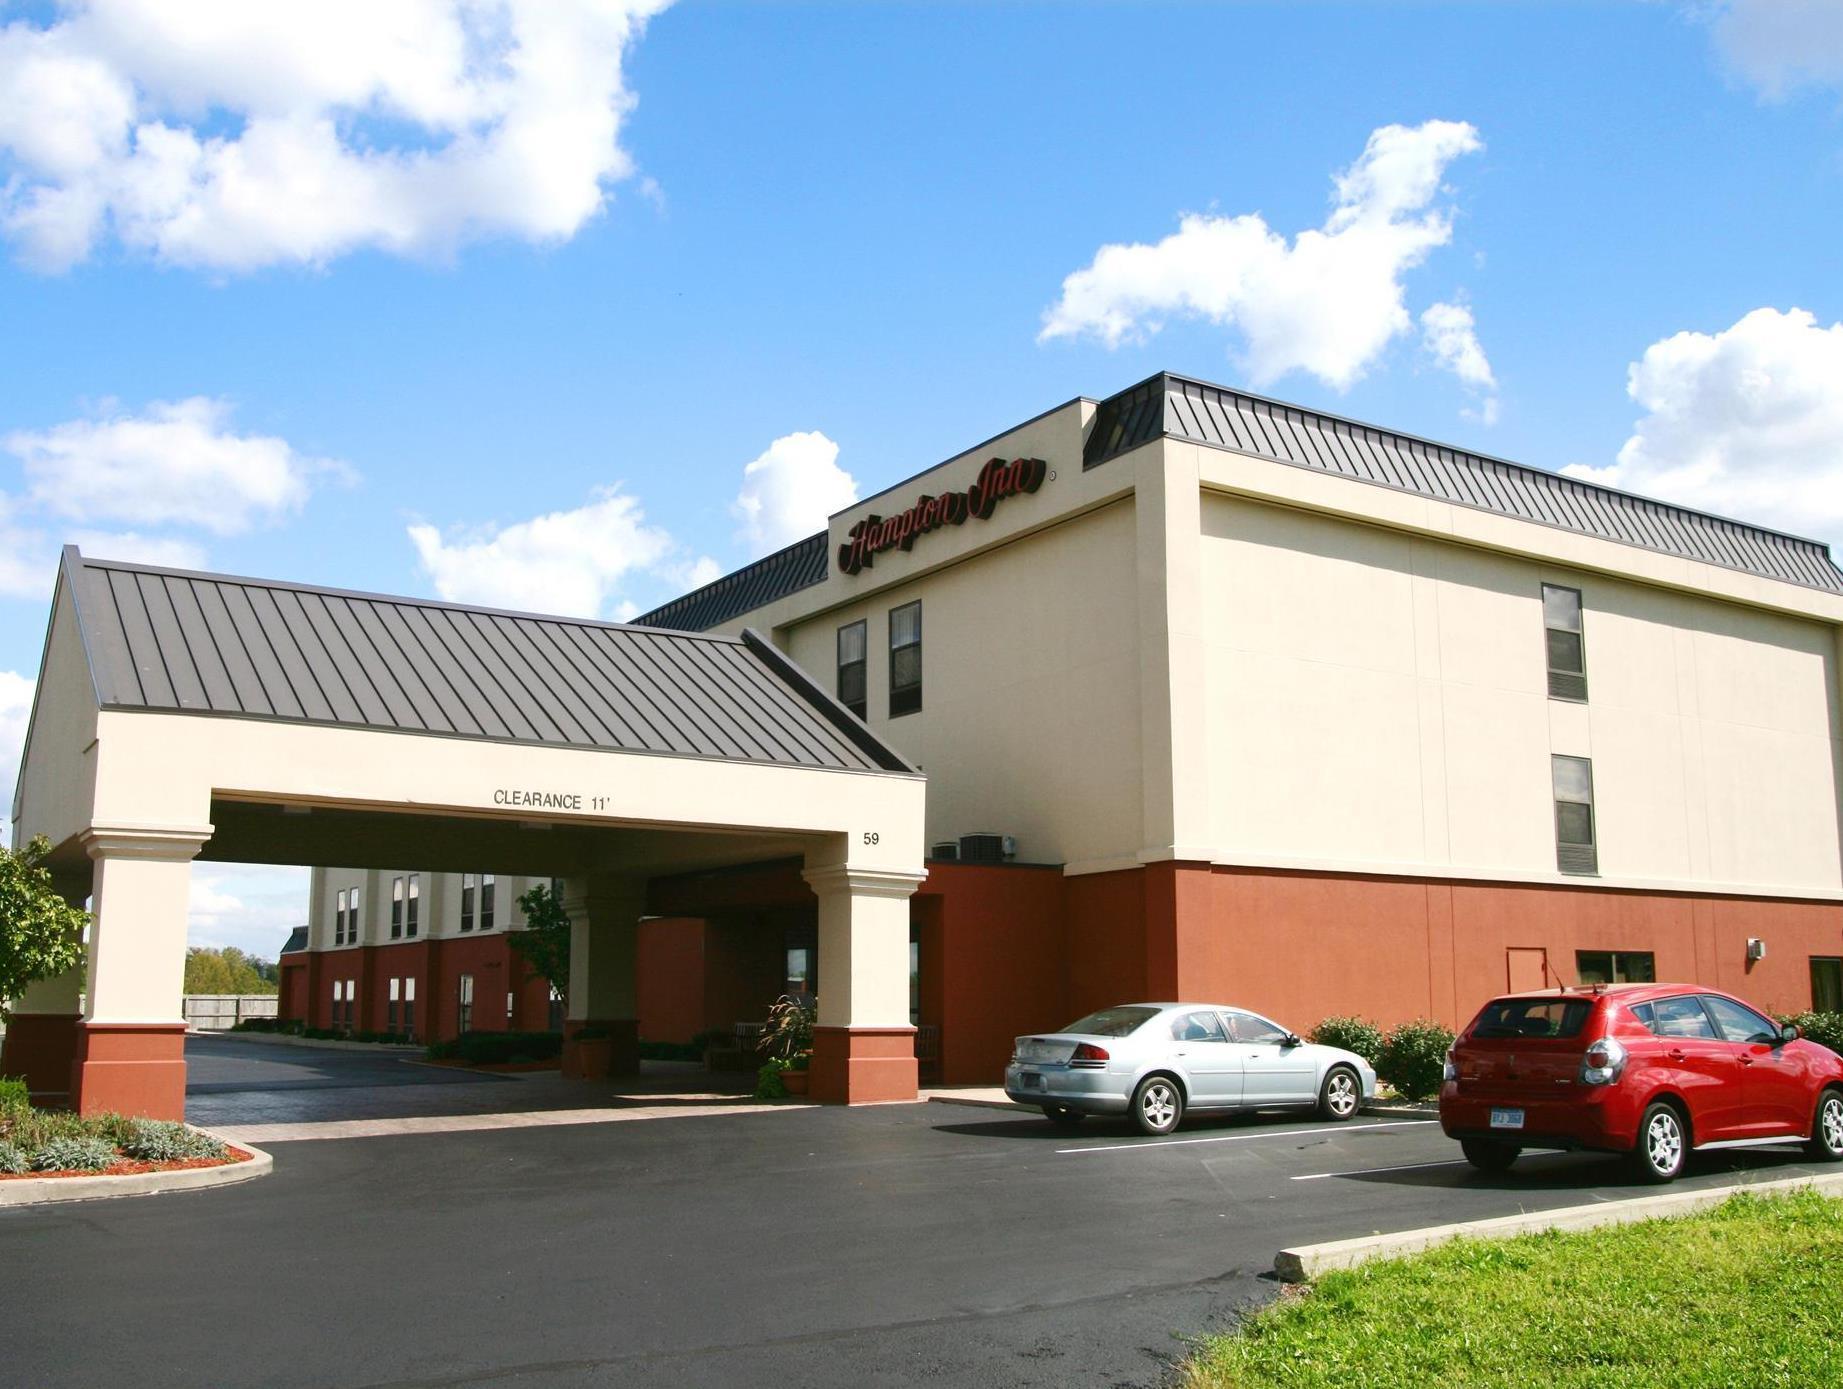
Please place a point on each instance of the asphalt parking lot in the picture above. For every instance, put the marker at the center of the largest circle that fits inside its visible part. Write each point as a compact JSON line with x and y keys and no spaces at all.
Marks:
{"x":896,"y":1245}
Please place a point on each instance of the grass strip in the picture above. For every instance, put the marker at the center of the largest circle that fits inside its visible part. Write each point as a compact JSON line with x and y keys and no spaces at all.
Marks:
{"x":1748,"y":1294}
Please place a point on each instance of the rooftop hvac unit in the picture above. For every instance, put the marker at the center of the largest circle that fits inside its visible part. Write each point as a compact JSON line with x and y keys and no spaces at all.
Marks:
{"x":948,"y":849}
{"x":987,"y":848}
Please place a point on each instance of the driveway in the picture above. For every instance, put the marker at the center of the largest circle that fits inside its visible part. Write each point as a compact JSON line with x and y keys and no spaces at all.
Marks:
{"x":895,"y":1245}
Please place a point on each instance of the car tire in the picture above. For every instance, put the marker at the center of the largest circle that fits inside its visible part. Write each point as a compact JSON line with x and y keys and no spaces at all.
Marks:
{"x":1341,"y":1096}
{"x":1062,"y":1116}
{"x":1826,"y":1143}
{"x":1158,"y":1104}
{"x":1488,"y":1156}
{"x":1663,"y":1144}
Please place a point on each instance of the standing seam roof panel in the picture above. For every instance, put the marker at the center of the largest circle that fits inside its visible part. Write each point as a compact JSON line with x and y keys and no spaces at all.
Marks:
{"x":246,"y":680}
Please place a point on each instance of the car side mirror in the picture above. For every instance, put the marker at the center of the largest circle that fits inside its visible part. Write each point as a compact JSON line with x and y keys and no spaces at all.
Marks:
{"x":1293,"y":1039}
{"x":1788,"y":1032}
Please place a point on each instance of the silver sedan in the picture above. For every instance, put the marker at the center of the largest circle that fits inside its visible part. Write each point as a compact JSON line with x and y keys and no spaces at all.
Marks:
{"x":1156,"y":1061}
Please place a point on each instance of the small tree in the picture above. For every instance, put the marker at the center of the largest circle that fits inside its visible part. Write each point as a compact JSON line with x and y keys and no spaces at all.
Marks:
{"x":545,"y":941}
{"x":41,"y":935}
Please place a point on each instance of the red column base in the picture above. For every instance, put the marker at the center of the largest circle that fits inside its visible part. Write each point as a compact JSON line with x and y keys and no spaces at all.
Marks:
{"x":617,"y":1054}
{"x":864,"y":1065}
{"x":130,"y":1068}
{"x":39,"y":1049}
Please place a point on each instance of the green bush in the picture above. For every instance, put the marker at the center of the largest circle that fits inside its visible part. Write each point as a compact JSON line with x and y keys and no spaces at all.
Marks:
{"x":768,"y":1083}
{"x":75,"y":1155}
{"x":13,"y":1161}
{"x":13,"y":1094}
{"x":500,"y":1048}
{"x":1413,"y":1057}
{"x":154,"y":1140}
{"x":670,"y":1051}
{"x":1826,"y":1029}
{"x":261,"y":1025}
{"x":1350,"y":1034}
{"x":29,"y":1129}
{"x":320,"y":1034}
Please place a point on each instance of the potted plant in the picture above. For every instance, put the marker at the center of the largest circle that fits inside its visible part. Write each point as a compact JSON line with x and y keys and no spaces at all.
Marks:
{"x":794,"y":1079}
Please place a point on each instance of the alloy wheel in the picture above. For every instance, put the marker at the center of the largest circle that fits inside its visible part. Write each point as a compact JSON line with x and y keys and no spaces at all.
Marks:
{"x":1159,"y":1104}
{"x":1833,"y":1123}
{"x":1341,"y":1094}
{"x":1664,"y":1142}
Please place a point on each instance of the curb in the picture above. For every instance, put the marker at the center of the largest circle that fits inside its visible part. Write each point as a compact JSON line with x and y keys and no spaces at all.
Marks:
{"x":44,"y":1191}
{"x":1308,"y":1261}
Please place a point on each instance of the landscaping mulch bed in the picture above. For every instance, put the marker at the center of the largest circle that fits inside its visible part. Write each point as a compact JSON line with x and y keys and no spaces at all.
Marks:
{"x":129,"y":1167}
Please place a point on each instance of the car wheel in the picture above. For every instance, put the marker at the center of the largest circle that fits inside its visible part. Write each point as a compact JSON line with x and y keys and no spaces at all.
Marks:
{"x":1487,"y":1156}
{"x":1663,"y":1144}
{"x":1826,"y":1143}
{"x":1341,"y":1096}
{"x":1157,"y":1105}
{"x":1062,"y":1116}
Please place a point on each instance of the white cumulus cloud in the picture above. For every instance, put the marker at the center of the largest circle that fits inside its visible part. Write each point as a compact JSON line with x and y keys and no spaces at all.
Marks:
{"x":250,"y":906}
{"x":1451,"y":337}
{"x":175,"y":463}
{"x":1782,"y":45}
{"x":15,"y":711}
{"x":1746,"y":423}
{"x":568,"y":562}
{"x":789,"y":491}
{"x":1327,"y":302}
{"x":235,"y":135}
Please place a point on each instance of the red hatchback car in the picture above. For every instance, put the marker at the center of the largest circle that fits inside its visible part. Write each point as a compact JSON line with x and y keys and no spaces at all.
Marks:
{"x":1653,"y":1070}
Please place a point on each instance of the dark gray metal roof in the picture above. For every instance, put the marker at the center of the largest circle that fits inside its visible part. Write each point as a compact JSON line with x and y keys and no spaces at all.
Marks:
{"x":1178,"y":408}
{"x":297,"y":940}
{"x":164,"y":639}
{"x":801,"y":565}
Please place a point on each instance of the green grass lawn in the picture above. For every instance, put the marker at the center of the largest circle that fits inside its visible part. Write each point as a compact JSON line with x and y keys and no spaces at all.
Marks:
{"x":1748,"y":1295}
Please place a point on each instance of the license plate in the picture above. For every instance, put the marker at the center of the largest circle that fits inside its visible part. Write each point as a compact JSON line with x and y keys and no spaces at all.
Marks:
{"x":1506,"y":1118}
{"x":1029,"y":1080}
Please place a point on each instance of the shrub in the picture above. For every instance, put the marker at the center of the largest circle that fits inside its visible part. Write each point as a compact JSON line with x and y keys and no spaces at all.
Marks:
{"x":789,"y":1030}
{"x":75,"y":1155}
{"x":501,"y":1048}
{"x":768,"y":1083}
{"x":12,"y":1161}
{"x":31,"y":1129}
{"x":1826,"y":1029}
{"x":1351,"y":1034}
{"x":670,"y":1051}
{"x":13,"y":1094}
{"x":1413,"y":1057}
{"x":260,"y":1025}
{"x":154,"y":1140}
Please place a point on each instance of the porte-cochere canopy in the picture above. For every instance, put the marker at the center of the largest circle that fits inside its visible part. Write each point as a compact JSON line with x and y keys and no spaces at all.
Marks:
{"x":184,"y":715}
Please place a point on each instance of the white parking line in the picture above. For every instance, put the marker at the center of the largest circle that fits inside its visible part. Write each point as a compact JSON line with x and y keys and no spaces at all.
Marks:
{"x":1322,"y":1131}
{"x":1367,"y":1171}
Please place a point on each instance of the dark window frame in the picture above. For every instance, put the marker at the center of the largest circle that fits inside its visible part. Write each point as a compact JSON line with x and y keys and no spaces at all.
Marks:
{"x":488,"y":897}
{"x":861,"y":665}
{"x":1834,"y":989}
{"x":1614,"y":960}
{"x":467,"y":901}
{"x":412,"y":916}
{"x":1564,"y":683}
{"x":396,"y":907}
{"x":905,"y":697}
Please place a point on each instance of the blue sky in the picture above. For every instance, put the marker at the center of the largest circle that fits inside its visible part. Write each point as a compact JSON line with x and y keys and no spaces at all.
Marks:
{"x":279,"y":287}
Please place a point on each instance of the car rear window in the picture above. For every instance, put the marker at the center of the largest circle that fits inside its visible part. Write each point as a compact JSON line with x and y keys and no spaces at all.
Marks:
{"x":1533,"y":1017}
{"x":1112,"y":1022}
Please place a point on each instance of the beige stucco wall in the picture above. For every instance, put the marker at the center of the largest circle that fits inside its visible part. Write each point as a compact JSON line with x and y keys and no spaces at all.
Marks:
{"x":438,"y":915}
{"x":58,"y":769}
{"x":1378,"y":699}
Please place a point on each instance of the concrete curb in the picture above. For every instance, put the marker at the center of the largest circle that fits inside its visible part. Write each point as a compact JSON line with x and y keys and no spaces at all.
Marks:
{"x":1308,"y":1261}
{"x":44,"y":1191}
{"x":277,"y":1039}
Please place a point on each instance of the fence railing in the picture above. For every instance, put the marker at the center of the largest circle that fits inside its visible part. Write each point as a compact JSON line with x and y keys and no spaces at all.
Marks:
{"x":221,"y":1012}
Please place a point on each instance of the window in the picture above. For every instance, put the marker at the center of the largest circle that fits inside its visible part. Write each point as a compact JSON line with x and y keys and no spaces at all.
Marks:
{"x":486,"y":901}
{"x":1615,"y":967}
{"x":395,"y":1002}
{"x":914,"y":978}
{"x":1575,"y":850}
{"x":1677,"y":1017}
{"x":1533,"y":1017}
{"x":1561,"y":619}
{"x":1114,"y":1022}
{"x":853,"y":651}
{"x":339,"y":995}
{"x":352,"y":916}
{"x":1251,"y":1030}
{"x":511,"y":1006}
{"x":467,"y":901}
{"x":905,"y":659}
{"x":409,"y":906}
{"x":465,"y":1014}
{"x":1826,"y":984}
{"x":799,"y":970}
{"x":396,"y":909}
{"x":1197,"y":1027}
{"x":345,"y":991}
{"x":339,"y":916}
{"x":1738,"y":1024}
{"x":409,"y":1005}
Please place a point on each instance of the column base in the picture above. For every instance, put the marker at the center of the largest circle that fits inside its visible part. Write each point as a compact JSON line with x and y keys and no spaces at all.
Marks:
{"x":617,"y":1054}
{"x":130,"y":1068}
{"x":864,"y":1065}
{"x":39,"y":1049}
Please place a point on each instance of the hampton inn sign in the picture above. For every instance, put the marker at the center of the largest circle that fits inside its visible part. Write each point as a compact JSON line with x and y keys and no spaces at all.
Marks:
{"x":997,"y":480}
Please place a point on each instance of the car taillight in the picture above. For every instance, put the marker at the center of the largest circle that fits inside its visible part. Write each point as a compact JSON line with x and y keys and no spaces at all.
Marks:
{"x":1603,"y":1063}
{"x":1088,"y":1056}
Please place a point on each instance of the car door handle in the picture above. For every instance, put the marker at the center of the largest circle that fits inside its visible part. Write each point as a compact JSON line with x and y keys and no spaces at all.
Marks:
{"x":1746,"y":1061}
{"x":1677,"y":1054}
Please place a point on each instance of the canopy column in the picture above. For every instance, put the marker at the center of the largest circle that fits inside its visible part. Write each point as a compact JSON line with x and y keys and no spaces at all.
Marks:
{"x":130,"y":1045}
{"x":41,"y":1037}
{"x":604,"y":912}
{"x":864,"y":1043}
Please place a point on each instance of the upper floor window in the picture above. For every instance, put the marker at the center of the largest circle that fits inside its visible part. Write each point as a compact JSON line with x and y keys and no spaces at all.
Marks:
{"x":486,"y":901}
{"x":1575,"y":847}
{"x":396,"y":908}
{"x":905,"y":659}
{"x":341,"y":904}
{"x":1561,"y":617}
{"x":853,"y":653}
{"x":411,"y":903}
{"x":467,"y":901}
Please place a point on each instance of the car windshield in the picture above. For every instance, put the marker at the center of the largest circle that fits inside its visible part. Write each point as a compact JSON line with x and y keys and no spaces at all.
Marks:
{"x":1533,"y":1017}
{"x":1112,"y":1022}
